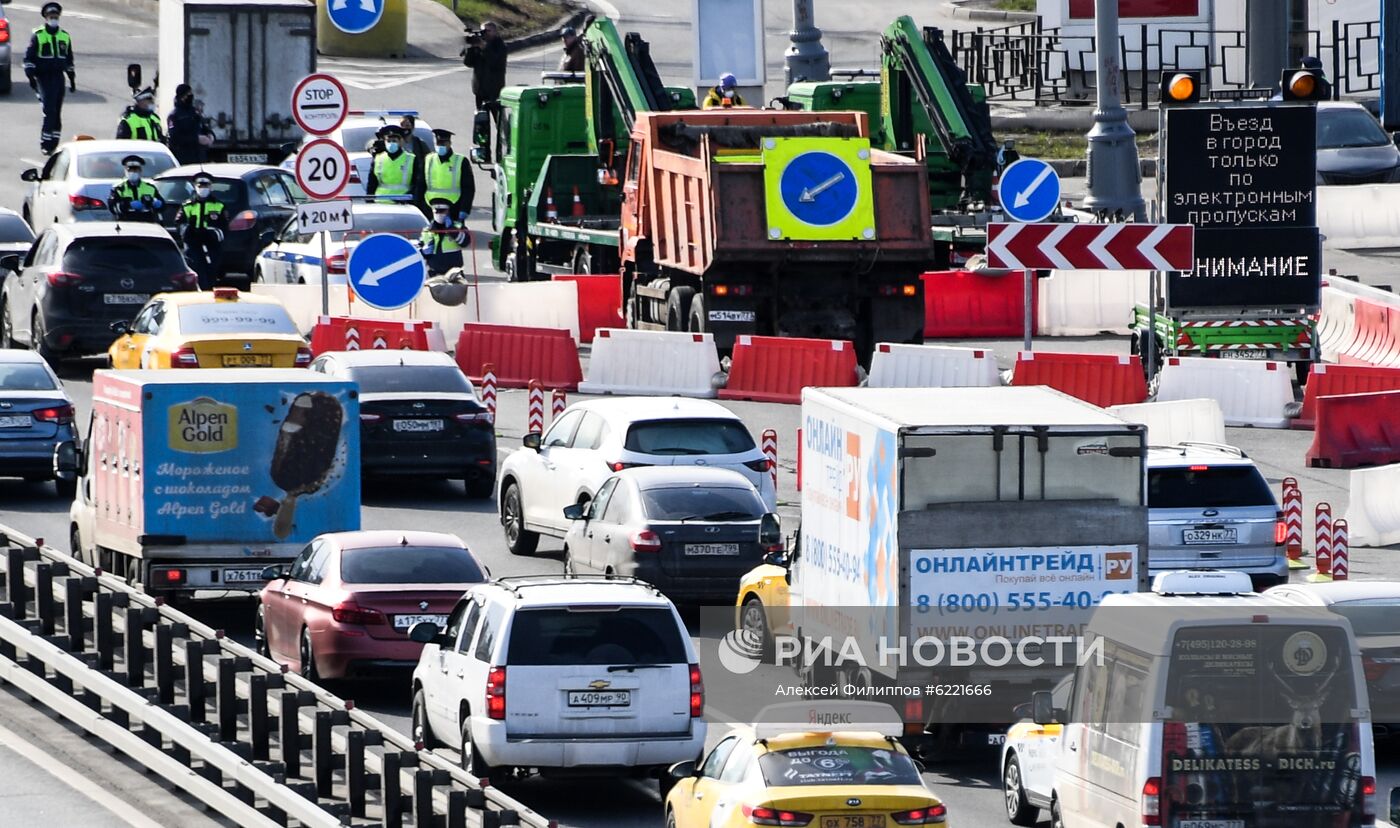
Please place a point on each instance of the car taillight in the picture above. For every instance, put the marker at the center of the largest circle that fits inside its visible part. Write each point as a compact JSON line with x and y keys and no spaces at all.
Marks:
{"x":349,"y":612}
{"x":697,"y":692}
{"x":1368,"y":800}
{"x":184,"y":358}
{"x":645,"y":540}
{"x":759,"y":466}
{"x":172,"y":576}
{"x":477,"y":417}
{"x":618,"y":465}
{"x":4,"y":31}
{"x":337,"y":263}
{"x":1375,"y":670}
{"x":898,"y":290}
{"x":303,"y":356}
{"x":61,"y":279}
{"x":354,"y":174}
{"x":60,"y":414}
{"x":1152,"y":801}
{"x":763,"y":815}
{"x":1280,"y":532}
{"x":732,"y":290}
{"x":370,"y":418}
{"x":82,"y":202}
{"x":496,"y":693}
{"x":932,"y":815}
{"x":188,"y":280}
{"x":243,"y":221}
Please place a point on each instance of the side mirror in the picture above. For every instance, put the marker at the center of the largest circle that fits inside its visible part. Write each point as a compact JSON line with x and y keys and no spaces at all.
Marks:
{"x":30,"y":174}
{"x":1395,"y":806}
{"x":267,"y":236}
{"x":121,"y":326}
{"x":424,"y":632}
{"x":133,"y":76}
{"x":1022,"y":711}
{"x":777,"y":557}
{"x":575,"y":511}
{"x":479,"y":156}
{"x":10,"y":262}
{"x":1042,"y":708}
{"x":531,"y":441}
{"x":67,"y":460}
{"x":481,"y":134}
{"x":276,"y":572}
{"x":682,"y":770}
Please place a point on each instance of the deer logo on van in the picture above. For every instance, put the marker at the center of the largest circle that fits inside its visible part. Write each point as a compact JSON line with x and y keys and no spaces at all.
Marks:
{"x":1118,"y":566}
{"x":203,"y":426}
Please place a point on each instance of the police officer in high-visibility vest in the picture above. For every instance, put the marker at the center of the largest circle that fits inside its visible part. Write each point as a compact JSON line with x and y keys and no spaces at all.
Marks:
{"x":140,"y":120}
{"x":202,"y":222}
{"x":442,"y":241}
{"x":393,"y":172}
{"x":134,"y":199}
{"x":447,"y":175}
{"x":48,"y":58}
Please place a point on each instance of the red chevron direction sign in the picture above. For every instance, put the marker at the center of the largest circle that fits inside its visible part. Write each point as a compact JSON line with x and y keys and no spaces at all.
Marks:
{"x":1064,"y":246}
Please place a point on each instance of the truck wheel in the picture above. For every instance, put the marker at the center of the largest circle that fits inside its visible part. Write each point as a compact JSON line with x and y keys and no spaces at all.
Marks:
{"x":519,"y":540}
{"x":480,"y":488}
{"x":1018,"y":809}
{"x":678,"y":308}
{"x":698,"y":318}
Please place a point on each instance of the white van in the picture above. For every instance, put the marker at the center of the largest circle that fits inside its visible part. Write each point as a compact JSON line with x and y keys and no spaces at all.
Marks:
{"x":1212,"y":707}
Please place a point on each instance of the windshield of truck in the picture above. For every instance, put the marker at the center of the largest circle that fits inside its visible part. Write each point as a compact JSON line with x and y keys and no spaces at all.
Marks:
{"x":249,"y":318}
{"x":838,"y":765}
{"x":592,"y":635}
{"x":1207,"y":487}
{"x":1344,"y":126}
{"x":686,"y":437}
{"x":1260,"y":727}
{"x":404,"y":379}
{"x":410,"y":565}
{"x":101,"y":165}
{"x":979,"y":468}
{"x":699,"y":503}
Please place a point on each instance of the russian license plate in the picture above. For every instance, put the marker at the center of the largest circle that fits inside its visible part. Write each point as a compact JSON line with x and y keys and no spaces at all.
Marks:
{"x":731,"y":316}
{"x":1210,"y":823}
{"x":854,"y":821}
{"x":15,"y":421}
{"x":996,"y":738}
{"x":712,"y":549}
{"x":1203,"y":536}
{"x":243,"y":576}
{"x":600,"y":698}
{"x":247,"y":361}
{"x":125,"y":298}
{"x":247,"y":158}
{"x":406,"y":622}
{"x":1244,"y":353}
{"x":418,"y":425}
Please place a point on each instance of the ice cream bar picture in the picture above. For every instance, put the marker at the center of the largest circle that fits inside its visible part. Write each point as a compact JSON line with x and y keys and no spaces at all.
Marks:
{"x":305,"y":453}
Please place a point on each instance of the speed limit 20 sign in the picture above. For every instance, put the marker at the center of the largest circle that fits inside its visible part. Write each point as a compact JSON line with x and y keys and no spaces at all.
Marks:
{"x":323,"y":169}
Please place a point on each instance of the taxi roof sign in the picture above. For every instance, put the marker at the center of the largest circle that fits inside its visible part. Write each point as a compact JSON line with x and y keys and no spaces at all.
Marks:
{"x":1202,"y":582}
{"x":821,"y":716}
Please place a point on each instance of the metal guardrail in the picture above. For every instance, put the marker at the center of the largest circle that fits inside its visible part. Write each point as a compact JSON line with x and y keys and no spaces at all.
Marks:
{"x":232,"y":729}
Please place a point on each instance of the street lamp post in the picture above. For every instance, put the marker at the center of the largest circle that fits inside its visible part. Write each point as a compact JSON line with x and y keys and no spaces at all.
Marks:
{"x":805,"y":59}
{"x":1115,"y":180}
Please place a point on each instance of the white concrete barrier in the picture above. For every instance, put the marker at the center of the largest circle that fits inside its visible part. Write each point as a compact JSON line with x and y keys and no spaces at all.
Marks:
{"x":1336,"y":325}
{"x":931,"y":366}
{"x":1090,"y":302}
{"x":1249,"y":393}
{"x":1177,"y":421}
{"x":1359,"y":217}
{"x":657,"y":363}
{"x":531,"y":304}
{"x":1373,"y":507}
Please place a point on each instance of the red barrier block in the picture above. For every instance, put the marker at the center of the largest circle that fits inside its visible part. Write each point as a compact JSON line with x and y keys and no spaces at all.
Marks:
{"x":1333,"y":380}
{"x":1356,"y":430}
{"x":520,"y":354}
{"x":1375,"y":340}
{"x":776,"y":369}
{"x":959,"y":303}
{"x":347,"y":333}
{"x":1101,"y":379}
{"x":599,"y":302}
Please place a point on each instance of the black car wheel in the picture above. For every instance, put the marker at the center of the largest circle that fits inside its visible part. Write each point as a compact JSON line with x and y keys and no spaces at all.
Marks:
{"x":1018,"y":809}
{"x":422,"y":731}
{"x":260,"y":634}
{"x":7,"y":332}
{"x":480,"y":488}
{"x":472,"y":762}
{"x":39,"y":336}
{"x":308,"y":658}
{"x":519,"y":540}
{"x":66,"y":489}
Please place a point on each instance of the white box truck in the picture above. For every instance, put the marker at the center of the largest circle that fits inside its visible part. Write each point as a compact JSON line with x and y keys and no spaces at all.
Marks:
{"x":243,"y":60}
{"x":978,"y":512}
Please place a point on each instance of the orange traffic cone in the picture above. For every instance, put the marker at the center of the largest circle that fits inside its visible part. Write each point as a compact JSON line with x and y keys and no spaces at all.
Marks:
{"x":578,"y":205}
{"x":551,"y":213}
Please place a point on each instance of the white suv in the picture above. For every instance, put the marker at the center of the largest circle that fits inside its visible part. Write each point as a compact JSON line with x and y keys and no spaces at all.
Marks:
{"x":560,"y":673}
{"x":595,"y":438}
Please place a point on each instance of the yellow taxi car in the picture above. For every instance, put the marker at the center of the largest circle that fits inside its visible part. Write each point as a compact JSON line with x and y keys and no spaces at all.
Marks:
{"x":788,"y":774}
{"x":222,"y":328}
{"x":761,"y":607}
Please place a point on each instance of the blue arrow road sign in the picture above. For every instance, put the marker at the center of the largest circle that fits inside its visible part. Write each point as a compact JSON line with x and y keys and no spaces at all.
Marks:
{"x":1029,"y":190}
{"x":386,"y":271}
{"x":355,"y":16}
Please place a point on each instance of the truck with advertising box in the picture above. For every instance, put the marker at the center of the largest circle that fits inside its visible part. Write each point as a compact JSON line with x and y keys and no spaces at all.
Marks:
{"x":980,"y":513}
{"x":196,"y":480}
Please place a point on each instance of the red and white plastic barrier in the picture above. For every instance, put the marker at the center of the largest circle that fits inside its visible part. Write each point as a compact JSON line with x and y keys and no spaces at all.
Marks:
{"x":1249,"y":393}
{"x":1293,"y":522}
{"x":1341,"y":551}
{"x":770,"y":450}
{"x":1323,"y":549}
{"x":557,"y":404}
{"x":536,"y":424}
{"x":488,"y":390}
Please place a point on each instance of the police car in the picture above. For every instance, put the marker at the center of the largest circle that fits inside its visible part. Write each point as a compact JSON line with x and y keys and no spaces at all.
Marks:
{"x":357,"y":134}
{"x":292,"y":257}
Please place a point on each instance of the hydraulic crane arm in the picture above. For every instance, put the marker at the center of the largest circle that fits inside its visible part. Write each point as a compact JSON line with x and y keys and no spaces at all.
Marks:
{"x":622,"y":79}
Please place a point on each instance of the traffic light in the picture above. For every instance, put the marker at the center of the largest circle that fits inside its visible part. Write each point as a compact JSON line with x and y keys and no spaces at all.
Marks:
{"x":1180,"y":88}
{"x":1303,"y":85}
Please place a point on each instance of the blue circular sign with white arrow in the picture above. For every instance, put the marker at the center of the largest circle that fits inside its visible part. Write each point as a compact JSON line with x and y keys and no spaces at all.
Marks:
{"x":355,"y":16}
{"x":386,"y":271}
{"x":819,"y":188}
{"x":1029,"y":190}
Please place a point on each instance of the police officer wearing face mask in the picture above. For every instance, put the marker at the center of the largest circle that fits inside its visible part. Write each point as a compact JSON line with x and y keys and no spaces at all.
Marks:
{"x":394,"y":171}
{"x":140,"y":121}
{"x":186,"y":126}
{"x":448,"y":176}
{"x":48,"y":58}
{"x":134,"y":199}
{"x":441,"y":246}
{"x":201,"y":223}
